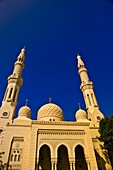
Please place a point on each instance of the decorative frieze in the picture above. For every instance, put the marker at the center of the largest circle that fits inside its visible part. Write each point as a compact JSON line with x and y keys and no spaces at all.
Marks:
{"x":18,"y":139}
{"x":61,"y":123}
{"x":61,"y":132}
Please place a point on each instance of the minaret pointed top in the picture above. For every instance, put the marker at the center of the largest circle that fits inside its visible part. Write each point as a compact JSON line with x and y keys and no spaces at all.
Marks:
{"x":19,"y":64}
{"x":21,"y":56}
{"x":80,"y":62}
{"x":23,"y":49}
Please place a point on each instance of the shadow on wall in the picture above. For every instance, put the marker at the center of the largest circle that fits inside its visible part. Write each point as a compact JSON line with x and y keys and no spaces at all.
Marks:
{"x":100,"y":161}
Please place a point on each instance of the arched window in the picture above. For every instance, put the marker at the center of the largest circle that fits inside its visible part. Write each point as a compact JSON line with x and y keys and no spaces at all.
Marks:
{"x":15,"y":158}
{"x":1,"y":135}
{"x":10,"y":93}
{"x":89,"y":99}
{"x":92,"y":98}
{"x":62,"y":158}
{"x":11,"y":157}
{"x":44,"y":157}
{"x":80,"y":158}
{"x":18,"y":157}
{"x":14,"y":97}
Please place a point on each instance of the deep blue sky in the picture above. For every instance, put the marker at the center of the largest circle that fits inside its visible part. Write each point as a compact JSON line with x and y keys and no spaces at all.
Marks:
{"x":54,"y":31}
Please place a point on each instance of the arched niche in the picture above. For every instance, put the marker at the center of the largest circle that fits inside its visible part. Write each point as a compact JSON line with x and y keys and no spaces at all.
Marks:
{"x":80,"y":161}
{"x":62,"y":158}
{"x":44,"y":158}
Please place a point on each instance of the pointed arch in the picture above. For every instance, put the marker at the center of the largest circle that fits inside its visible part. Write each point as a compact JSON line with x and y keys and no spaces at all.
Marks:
{"x":80,"y":160}
{"x":45,"y":157}
{"x":62,"y":158}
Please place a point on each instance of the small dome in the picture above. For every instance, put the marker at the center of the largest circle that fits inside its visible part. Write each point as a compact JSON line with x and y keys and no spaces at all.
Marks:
{"x":25,"y":111}
{"x":80,"y":115}
{"x":50,"y":112}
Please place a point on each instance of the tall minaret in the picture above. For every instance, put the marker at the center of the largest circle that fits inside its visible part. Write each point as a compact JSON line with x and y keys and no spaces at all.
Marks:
{"x":87,"y":88}
{"x":15,"y":81}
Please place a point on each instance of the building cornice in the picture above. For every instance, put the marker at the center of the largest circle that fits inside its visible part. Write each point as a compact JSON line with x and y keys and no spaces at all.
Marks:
{"x":61,"y":123}
{"x":37,"y":122}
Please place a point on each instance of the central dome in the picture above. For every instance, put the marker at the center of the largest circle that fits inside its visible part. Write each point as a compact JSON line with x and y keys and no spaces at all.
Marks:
{"x":50,"y":112}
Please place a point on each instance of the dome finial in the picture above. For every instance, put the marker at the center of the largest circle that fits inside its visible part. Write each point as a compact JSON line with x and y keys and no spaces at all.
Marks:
{"x":26,"y":102}
{"x":50,"y":99}
{"x":79,"y":105}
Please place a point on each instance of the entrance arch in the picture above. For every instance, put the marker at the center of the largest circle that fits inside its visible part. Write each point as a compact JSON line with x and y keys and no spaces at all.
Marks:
{"x":63,"y":160}
{"x":80,"y":162}
{"x":44,"y":158}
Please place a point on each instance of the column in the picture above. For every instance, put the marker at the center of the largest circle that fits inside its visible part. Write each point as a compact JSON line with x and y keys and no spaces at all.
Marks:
{"x":71,"y":166}
{"x":88,"y":165}
{"x":74,"y":165}
{"x":52,"y":165}
{"x":55,"y":166}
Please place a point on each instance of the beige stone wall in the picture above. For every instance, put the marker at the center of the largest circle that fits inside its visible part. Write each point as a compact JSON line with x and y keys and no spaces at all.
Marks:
{"x":54,"y":134}
{"x":17,"y":132}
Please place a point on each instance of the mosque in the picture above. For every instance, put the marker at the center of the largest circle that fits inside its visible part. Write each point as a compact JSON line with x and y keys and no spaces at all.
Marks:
{"x":50,"y":143}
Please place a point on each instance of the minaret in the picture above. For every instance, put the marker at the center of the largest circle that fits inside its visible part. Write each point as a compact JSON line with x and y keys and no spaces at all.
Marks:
{"x":87,"y":88}
{"x":15,"y":81}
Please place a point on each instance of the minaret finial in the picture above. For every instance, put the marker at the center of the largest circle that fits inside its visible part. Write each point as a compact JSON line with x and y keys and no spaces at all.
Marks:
{"x":21,"y":56}
{"x":26,"y":102}
{"x":23,"y":49}
{"x":80,"y":62}
{"x":19,"y":64}
{"x":50,"y":100}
